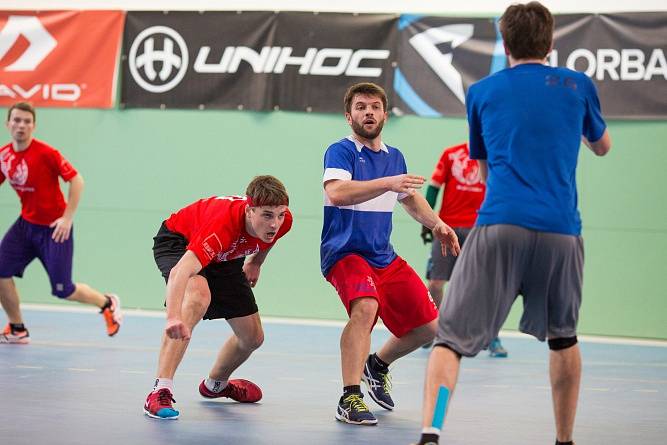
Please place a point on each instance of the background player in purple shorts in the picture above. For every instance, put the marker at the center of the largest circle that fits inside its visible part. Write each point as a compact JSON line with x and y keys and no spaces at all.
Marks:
{"x":44,"y":229}
{"x":526,"y":125}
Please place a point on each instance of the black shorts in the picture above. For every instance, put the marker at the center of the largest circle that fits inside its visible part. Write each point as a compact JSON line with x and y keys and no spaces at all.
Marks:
{"x":231,"y":294}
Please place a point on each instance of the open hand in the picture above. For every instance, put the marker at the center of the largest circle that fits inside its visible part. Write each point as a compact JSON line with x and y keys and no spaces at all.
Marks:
{"x":406,"y":183}
{"x":63,"y":228}
{"x":448,"y":239}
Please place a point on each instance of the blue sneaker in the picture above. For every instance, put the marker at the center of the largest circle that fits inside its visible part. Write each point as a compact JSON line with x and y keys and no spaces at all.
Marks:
{"x":496,"y":349}
{"x":378,"y":384}
{"x":352,"y":409}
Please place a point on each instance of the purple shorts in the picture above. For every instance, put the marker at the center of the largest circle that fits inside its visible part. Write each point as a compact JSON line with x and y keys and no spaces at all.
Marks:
{"x":24,"y":242}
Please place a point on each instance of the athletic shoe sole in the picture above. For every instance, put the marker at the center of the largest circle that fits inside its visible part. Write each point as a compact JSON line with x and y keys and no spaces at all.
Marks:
{"x":352,"y":422}
{"x":23,"y":341}
{"x":153,"y":416}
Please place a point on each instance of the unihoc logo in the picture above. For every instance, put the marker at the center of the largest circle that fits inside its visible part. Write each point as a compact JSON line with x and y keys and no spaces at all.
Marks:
{"x":426,"y":44}
{"x":41,"y":43}
{"x":215,"y":60}
{"x":144,"y":56}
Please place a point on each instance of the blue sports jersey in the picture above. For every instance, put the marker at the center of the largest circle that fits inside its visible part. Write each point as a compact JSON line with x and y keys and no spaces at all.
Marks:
{"x":527,"y":122}
{"x":363,"y":229}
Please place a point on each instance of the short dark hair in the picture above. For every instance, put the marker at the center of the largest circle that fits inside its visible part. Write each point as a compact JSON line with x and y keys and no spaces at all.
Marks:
{"x":527,"y":30}
{"x":23,"y":106}
{"x":367,"y":88}
{"x":267,"y":190}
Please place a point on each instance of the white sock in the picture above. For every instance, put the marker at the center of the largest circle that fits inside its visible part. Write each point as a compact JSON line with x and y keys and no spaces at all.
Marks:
{"x":215,"y":385}
{"x":431,"y":430}
{"x":164,"y":383}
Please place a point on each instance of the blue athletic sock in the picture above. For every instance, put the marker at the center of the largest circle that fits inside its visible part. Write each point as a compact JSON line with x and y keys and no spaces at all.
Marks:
{"x":17,"y":327}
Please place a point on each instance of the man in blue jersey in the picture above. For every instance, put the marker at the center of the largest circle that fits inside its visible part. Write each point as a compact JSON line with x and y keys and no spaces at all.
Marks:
{"x":363,"y":179}
{"x":526,"y":124}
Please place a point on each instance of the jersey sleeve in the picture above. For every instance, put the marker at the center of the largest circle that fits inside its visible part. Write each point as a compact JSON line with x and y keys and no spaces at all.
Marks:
{"x":594,"y":125}
{"x":62,"y":166}
{"x":338,"y":163}
{"x":211,"y":240}
{"x":439,"y":173}
{"x":475,"y":141}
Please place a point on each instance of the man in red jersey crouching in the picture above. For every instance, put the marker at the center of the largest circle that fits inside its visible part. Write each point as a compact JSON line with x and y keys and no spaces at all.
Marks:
{"x":200,"y":251}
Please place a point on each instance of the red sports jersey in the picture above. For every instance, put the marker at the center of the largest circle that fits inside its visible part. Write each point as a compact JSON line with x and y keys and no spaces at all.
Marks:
{"x":34,"y":173}
{"x":464,"y":192}
{"x":215,"y":229}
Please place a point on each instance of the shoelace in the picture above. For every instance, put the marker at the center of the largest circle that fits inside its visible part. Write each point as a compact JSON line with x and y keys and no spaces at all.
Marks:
{"x":356,"y":402}
{"x":164,"y":398}
{"x":386,"y":381}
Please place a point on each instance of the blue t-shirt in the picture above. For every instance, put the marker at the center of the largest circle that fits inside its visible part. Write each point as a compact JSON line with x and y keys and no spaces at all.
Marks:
{"x":527,"y":122}
{"x":363,"y":229}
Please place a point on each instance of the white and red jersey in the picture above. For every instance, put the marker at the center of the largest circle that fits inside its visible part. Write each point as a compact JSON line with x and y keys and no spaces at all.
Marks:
{"x":215,"y":229}
{"x":34,"y":173}
{"x":464,"y":192}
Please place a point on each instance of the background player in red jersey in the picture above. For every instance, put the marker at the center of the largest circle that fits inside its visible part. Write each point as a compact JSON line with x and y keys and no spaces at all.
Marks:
{"x":44,"y":229}
{"x":200,"y":251}
{"x":463,"y":194}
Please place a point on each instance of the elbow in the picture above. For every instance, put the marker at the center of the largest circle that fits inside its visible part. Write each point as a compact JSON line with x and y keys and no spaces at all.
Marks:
{"x":335,"y":199}
{"x":602,"y":146}
{"x":602,"y":150}
{"x":334,"y":196}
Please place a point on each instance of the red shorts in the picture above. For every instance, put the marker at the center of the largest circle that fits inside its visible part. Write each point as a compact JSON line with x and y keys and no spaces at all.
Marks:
{"x":403,"y":300}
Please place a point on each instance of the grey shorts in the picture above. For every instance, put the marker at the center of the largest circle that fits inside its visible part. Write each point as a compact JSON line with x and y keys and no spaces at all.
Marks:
{"x":500,"y":262}
{"x":440,"y":267}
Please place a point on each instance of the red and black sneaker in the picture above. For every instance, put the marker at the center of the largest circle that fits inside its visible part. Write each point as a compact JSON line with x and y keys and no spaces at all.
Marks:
{"x":241,"y":390}
{"x":12,"y":336}
{"x":159,"y":405}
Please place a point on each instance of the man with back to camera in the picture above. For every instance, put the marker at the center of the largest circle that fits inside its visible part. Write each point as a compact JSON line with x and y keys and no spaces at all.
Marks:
{"x":363,"y":179}
{"x":463,"y":193}
{"x":44,"y":228}
{"x":200,"y":251}
{"x":526,"y":125}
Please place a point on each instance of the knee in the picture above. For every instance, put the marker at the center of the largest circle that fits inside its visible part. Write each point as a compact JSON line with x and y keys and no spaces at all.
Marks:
{"x":558,"y":344}
{"x":252,"y":341}
{"x":63,"y":291}
{"x":198,"y":297}
{"x":364,"y":311}
{"x":428,"y":331}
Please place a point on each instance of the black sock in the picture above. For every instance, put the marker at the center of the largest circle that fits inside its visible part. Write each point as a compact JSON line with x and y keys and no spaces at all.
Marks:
{"x":378,"y":364}
{"x":20,"y":327}
{"x":352,"y":389}
{"x":428,"y":438}
{"x":107,"y":304}
{"x":564,"y":443}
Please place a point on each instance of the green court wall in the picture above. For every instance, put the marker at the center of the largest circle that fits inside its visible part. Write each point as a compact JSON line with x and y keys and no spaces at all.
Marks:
{"x":140,"y":165}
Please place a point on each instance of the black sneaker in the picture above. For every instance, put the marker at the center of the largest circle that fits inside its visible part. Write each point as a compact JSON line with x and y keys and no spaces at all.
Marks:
{"x":379,"y":385}
{"x":352,"y":409}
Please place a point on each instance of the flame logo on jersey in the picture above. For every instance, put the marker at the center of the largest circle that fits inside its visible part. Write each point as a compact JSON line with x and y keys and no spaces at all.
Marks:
{"x":17,"y":174}
{"x":464,"y":169}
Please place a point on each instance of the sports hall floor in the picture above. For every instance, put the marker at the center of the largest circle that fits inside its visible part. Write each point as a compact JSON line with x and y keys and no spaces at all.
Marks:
{"x":73,"y":385}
